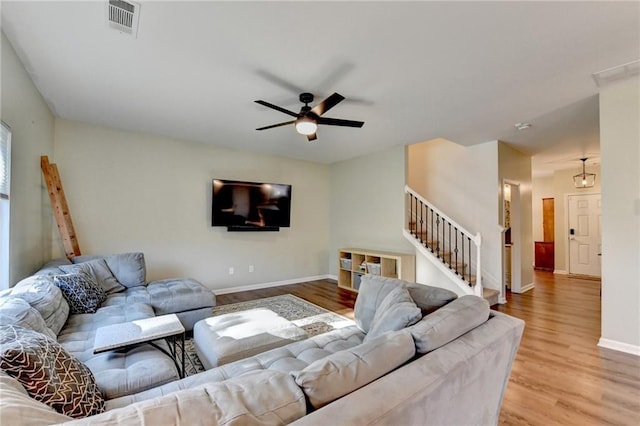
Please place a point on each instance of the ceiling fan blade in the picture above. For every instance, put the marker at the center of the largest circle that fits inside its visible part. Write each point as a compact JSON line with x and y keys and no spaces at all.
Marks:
{"x":312,"y":137}
{"x":277,"y":108}
{"x":276,"y":125}
{"x":339,"y":122}
{"x":327,"y":104}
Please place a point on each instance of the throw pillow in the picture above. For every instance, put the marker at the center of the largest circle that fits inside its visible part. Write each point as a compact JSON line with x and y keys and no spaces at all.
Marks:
{"x":48,"y":373}
{"x":128,"y":268}
{"x":396,"y":312}
{"x":83,"y":294}
{"x":343,"y":372}
{"x":100,"y":272}
{"x":16,"y":311}
{"x":449,"y":322}
{"x":373,"y":289}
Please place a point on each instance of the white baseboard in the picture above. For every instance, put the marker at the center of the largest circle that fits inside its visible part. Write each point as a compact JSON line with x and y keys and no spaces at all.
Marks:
{"x":560,"y":272}
{"x":273,"y":284}
{"x":524,"y":289}
{"x":619,"y":346}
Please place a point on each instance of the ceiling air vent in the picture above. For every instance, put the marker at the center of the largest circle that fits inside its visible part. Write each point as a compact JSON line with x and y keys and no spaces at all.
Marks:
{"x":123,"y":16}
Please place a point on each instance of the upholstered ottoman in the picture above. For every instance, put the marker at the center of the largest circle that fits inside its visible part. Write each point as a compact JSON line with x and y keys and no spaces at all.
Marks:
{"x":225,"y":338}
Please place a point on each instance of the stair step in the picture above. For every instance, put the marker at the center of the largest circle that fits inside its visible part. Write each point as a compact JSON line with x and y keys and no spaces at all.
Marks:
{"x":490,"y":295}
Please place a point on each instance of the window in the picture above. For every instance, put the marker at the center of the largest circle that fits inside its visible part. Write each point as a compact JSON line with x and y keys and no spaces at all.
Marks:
{"x":5,"y":177}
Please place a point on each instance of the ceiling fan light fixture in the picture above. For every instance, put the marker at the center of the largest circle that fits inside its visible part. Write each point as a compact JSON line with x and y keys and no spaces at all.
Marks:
{"x":306,"y":125}
{"x":584,"y":179}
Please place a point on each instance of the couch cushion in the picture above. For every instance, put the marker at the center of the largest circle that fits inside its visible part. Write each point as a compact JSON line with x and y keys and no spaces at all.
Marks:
{"x":128,"y":268}
{"x":84,"y":295}
{"x":373,"y":289}
{"x":122,"y":372}
{"x":260,"y":398}
{"x":396,"y":312}
{"x":100,"y":272}
{"x":48,"y":373}
{"x":449,"y":322}
{"x":429,"y":298}
{"x":16,"y":311}
{"x":18,"y":408}
{"x":343,"y":372}
{"x":42,"y":294}
{"x":167,"y":296}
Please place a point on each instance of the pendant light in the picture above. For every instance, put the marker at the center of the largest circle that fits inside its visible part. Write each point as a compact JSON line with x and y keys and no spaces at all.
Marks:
{"x":584,"y":179}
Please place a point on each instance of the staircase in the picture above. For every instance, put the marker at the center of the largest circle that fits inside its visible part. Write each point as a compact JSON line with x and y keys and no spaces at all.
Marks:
{"x":451,"y":248}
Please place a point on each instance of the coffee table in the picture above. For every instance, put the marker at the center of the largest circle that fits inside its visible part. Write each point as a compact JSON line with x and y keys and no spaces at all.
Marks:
{"x":133,"y":333}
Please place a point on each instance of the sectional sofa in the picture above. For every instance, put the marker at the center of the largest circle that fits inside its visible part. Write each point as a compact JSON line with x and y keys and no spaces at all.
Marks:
{"x":415,"y":355}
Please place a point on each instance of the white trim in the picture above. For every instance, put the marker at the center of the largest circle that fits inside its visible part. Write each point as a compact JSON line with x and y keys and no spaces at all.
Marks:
{"x":619,"y":346}
{"x":524,"y":289}
{"x":272,"y":284}
{"x":560,"y":272}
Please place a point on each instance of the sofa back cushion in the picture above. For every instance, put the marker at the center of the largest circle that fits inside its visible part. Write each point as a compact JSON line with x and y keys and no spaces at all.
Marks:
{"x":16,"y":311}
{"x":396,"y":312}
{"x":48,"y":373}
{"x":449,"y":322}
{"x":128,"y":268}
{"x":42,"y":294}
{"x":336,"y":375}
{"x":429,"y":298}
{"x":100,"y":272}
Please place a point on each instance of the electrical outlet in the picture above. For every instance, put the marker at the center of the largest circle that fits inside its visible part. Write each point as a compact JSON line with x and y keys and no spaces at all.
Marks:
{"x":231,"y":270}
{"x":251,"y":269}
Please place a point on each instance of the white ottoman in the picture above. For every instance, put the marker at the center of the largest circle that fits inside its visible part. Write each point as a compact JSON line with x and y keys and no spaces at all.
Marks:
{"x":225,"y":338}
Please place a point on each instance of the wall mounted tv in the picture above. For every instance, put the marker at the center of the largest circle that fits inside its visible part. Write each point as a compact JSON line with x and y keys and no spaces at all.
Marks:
{"x":250,"y":206}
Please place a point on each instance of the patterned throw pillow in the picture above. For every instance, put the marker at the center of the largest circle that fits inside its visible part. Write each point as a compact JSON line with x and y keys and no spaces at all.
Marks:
{"x":48,"y":372}
{"x":83,"y":294}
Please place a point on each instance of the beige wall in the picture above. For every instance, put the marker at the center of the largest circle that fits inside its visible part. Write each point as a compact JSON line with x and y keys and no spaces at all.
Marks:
{"x":562,"y":187}
{"x":463,"y":183}
{"x":367,"y":204}
{"x":515,"y":167}
{"x":138,"y":192}
{"x":620,"y":147}
{"x":32,"y":126}
{"x":542,"y":187}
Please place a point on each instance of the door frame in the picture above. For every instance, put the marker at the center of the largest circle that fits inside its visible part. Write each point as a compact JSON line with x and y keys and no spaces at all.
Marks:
{"x":567,"y":258}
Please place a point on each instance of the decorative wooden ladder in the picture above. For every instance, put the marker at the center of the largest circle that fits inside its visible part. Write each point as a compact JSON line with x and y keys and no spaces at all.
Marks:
{"x":60,"y":207}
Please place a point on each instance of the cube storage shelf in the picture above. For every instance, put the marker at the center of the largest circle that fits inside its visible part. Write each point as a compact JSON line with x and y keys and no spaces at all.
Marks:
{"x":354,"y":263}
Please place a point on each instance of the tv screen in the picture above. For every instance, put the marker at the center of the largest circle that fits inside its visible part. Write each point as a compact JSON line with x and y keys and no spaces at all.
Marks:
{"x":250,"y":205}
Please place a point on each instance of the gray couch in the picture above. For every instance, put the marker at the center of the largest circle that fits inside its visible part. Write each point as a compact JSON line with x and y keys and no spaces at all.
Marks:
{"x":116,"y":373}
{"x":417,"y":355}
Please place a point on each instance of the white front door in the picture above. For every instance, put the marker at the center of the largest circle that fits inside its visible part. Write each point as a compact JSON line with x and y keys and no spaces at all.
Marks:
{"x":585,"y":244}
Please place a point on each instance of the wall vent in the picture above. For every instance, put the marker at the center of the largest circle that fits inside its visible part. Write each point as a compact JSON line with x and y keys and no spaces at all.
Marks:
{"x":123,"y":16}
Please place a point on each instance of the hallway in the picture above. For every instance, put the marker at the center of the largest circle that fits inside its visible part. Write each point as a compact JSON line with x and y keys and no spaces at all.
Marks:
{"x":560,"y":376}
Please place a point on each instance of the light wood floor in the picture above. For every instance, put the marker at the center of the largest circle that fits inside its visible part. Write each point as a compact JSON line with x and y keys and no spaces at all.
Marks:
{"x":560,"y":376}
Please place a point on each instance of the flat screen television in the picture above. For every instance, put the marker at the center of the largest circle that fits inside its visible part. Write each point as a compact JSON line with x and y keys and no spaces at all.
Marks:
{"x":250,"y":206}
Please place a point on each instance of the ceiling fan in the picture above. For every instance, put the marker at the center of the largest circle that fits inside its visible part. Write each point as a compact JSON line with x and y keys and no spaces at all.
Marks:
{"x":308,"y":119}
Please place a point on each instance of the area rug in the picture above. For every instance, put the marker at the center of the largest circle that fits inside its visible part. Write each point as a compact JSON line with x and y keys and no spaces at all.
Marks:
{"x":311,"y":318}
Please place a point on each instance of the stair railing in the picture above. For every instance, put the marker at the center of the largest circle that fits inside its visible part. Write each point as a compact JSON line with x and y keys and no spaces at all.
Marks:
{"x":448,"y":241}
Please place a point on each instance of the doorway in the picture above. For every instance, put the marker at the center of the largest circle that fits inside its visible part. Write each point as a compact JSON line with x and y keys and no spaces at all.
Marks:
{"x":511,"y":253}
{"x":585,"y":239}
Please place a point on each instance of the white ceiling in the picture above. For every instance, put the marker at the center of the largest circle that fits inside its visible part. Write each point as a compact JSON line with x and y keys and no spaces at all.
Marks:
{"x":414,"y":71}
